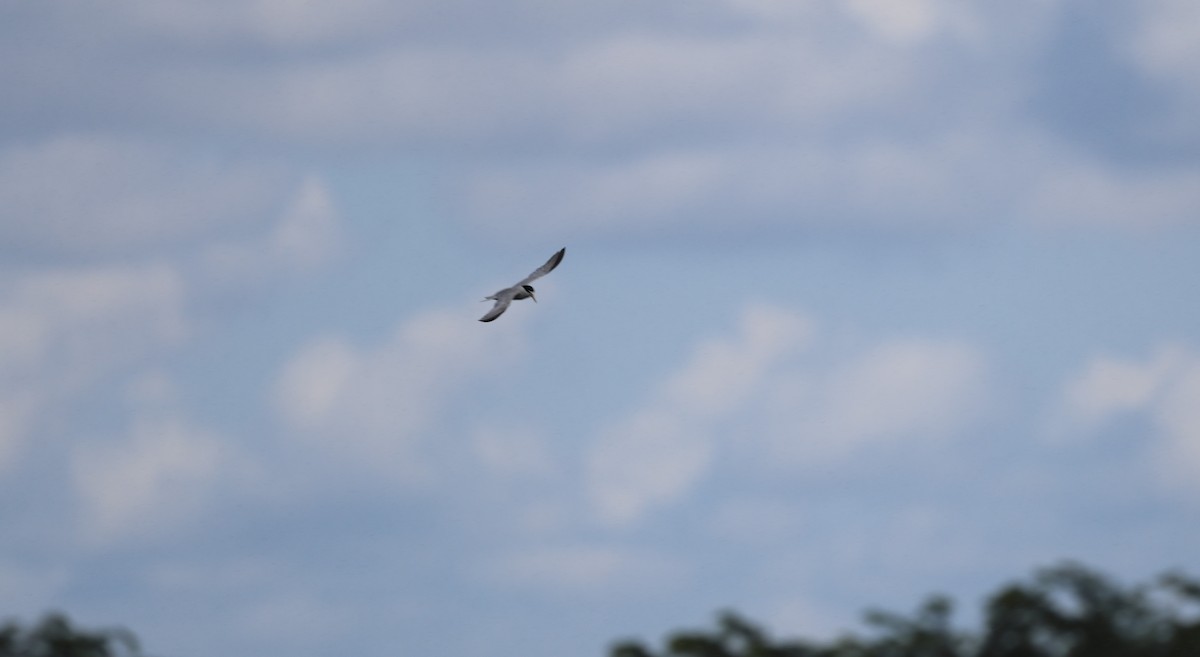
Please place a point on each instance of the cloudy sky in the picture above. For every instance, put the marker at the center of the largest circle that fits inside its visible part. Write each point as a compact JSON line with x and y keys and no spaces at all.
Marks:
{"x":862,"y":300}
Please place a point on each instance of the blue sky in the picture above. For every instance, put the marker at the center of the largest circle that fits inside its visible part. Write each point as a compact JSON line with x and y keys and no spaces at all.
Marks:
{"x":862,"y":300}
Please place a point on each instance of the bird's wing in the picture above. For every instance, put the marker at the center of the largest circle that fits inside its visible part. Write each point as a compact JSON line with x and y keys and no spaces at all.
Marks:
{"x":544,"y":269}
{"x":498,"y":309}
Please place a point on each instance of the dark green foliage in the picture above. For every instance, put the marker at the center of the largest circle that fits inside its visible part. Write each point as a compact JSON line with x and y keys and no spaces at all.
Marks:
{"x":734,"y":638}
{"x":54,"y":636}
{"x":927,"y":635}
{"x":1183,"y":622}
{"x":1066,"y":611}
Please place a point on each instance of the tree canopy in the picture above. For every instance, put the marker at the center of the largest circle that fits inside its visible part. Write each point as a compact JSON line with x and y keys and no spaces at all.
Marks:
{"x":55,"y":636}
{"x":1065,"y":611}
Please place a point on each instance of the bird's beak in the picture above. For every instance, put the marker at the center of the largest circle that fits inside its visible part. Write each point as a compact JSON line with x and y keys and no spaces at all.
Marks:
{"x":533,"y":297}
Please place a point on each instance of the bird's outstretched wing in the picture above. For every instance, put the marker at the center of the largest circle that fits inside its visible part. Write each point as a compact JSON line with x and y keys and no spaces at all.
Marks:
{"x":498,"y":309}
{"x":544,"y":269}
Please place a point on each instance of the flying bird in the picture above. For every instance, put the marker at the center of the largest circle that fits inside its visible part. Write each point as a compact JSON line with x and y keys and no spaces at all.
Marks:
{"x":522,"y":290}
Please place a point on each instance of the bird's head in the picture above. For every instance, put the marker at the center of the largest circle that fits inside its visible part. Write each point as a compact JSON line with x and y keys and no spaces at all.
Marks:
{"x":529,"y":291}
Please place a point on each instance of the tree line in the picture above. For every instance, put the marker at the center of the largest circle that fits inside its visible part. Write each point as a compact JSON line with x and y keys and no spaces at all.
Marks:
{"x":1065,"y":611}
{"x":56,"y":636}
{"x":1068,"y":610}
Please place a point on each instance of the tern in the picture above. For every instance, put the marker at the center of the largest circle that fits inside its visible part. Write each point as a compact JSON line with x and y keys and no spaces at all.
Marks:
{"x":522,"y":290}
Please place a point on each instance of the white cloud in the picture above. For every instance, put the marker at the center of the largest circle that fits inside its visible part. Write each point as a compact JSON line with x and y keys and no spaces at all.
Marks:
{"x":513,"y":452}
{"x":808,"y":113}
{"x":1163,"y":388}
{"x":638,"y":84}
{"x":404,"y":94}
{"x":766,"y":387}
{"x":90,"y":195}
{"x":1110,"y":386}
{"x":898,"y":391}
{"x":279,"y":23}
{"x":314,"y":382}
{"x":72,"y":324}
{"x":374,"y":405}
{"x":306,"y":235}
{"x":62,"y":330}
{"x":147,"y":221}
{"x":1165,"y":36}
{"x":583,"y":568}
{"x":758,"y":521}
{"x":658,"y":454}
{"x":608,"y":84}
{"x":151,"y":389}
{"x":1178,"y":415}
{"x":231,"y":222}
{"x":961,"y":179}
{"x":944,"y":184}
{"x":908,"y":23}
{"x":723,"y":375}
{"x":649,"y":460}
{"x":1164,"y":43}
{"x":1078,"y":193}
{"x":159,"y":480}
{"x":805,"y":616}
